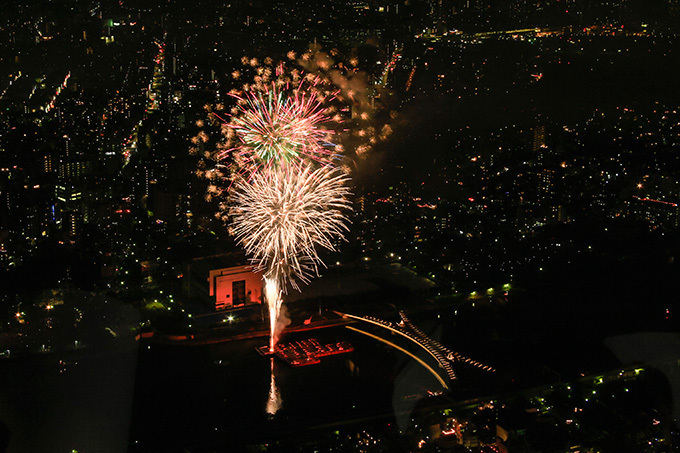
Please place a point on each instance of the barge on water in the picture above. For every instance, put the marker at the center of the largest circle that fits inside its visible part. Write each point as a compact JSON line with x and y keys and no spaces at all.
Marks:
{"x":306,"y":352}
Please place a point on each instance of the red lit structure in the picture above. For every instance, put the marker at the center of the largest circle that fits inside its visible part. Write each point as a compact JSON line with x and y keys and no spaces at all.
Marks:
{"x":235,"y":287}
{"x":306,"y":352}
{"x":222,"y":282}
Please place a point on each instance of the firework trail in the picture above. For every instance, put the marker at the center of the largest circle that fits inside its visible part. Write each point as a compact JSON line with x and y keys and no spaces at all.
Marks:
{"x":280,"y":141}
{"x":280,"y":208}
{"x":274,"y":399}
{"x":280,"y":215}
{"x":272,"y":294}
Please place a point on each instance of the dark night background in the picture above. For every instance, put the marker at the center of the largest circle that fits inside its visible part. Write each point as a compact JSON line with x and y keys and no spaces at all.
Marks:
{"x":516,"y":181}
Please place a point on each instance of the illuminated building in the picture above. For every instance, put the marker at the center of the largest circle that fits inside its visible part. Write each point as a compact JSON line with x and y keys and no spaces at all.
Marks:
{"x":223,"y":282}
{"x":74,"y":220}
{"x":47,"y":163}
{"x":235,"y":287}
{"x":69,"y":205}
{"x":72,"y":169}
{"x":546,"y":185}
{"x":538,"y":143}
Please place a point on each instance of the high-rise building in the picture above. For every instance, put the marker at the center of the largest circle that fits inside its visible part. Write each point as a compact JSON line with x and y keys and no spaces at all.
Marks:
{"x":546,"y":185}
{"x":67,"y":146}
{"x":47,"y":163}
{"x":538,"y":143}
{"x":73,"y":170}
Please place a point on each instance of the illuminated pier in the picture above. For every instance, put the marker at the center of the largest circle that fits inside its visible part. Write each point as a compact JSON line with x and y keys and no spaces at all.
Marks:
{"x":445,"y":357}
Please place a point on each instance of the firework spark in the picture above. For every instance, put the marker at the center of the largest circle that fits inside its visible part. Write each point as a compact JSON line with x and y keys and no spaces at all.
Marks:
{"x":287,"y":145}
{"x":272,"y":294}
{"x":301,"y":109}
{"x":282,"y":214}
{"x":279,"y":125}
{"x":274,"y":400}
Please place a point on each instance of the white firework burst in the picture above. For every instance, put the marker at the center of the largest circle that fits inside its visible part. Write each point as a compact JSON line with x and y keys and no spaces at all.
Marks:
{"x":281,"y":215}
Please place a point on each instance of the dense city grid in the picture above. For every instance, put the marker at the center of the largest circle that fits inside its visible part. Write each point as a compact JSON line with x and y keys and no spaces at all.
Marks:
{"x":512,"y":186}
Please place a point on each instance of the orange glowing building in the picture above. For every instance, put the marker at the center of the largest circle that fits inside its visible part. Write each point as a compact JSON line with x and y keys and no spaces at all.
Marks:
{"x":235,"y":287}
{"x":222,"y":281}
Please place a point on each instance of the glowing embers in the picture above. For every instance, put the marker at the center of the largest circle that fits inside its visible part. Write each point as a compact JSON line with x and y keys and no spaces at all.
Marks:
{"x":274,"y":127}
{"x":281,"y":215}
{"x":274,"y":400}
{"x":306,"y":352}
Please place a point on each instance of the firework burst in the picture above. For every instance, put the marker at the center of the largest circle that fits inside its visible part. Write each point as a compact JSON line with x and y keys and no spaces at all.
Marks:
{"x":279,"y":125}
{"x":305,"y":109}
{"x":285,"y":146}
{"x":280,"y":215}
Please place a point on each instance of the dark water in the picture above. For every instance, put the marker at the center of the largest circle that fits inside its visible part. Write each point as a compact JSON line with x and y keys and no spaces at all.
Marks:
{"x":75,"y":401}
{"x":217,"y":395}
{"x":160,"y":398}
{"x":172,"y":397}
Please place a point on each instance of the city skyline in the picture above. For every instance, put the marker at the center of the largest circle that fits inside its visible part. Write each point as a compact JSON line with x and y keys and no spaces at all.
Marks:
{"x":515,"y":189}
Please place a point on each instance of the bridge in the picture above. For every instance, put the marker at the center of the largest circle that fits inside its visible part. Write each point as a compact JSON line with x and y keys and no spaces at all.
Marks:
{"x":444,"y":356}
